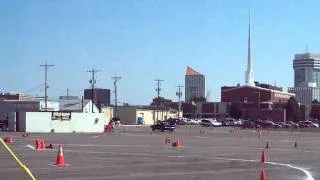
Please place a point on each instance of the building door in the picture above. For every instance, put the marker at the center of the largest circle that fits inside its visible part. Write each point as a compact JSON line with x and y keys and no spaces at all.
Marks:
{"x":17,"y":122}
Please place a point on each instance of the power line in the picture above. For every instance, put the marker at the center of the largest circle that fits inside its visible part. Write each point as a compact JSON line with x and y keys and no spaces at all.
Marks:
{"x":92,"y":82}
{"x":115,"y":79}
{"x":46,"y":67}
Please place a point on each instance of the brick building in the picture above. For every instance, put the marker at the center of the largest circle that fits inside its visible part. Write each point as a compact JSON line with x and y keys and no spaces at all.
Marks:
{"x":261,"y":101}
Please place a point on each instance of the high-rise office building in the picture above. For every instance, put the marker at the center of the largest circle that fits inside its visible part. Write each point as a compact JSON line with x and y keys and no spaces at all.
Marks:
{"x":306,"y":79}
{"x":194,"y":84}
{"x":306,"y":70}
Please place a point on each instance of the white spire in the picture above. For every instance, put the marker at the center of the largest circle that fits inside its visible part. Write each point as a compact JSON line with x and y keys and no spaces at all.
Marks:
{"x":249,"y":73}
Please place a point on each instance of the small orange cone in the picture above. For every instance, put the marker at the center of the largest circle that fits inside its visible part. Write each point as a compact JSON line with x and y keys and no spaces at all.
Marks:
{"x":8,"y":140}
{"x":262,"y":175}
{"x":42,"y":145}
{"x":37,"y":144}
{"x":267,"y":145}
{"x":263,"y":157}
{"x":60,"y":157}
{"x":176,"y":144}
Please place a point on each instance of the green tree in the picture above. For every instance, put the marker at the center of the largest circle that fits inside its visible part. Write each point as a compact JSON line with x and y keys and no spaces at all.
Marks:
{"x":293,"y":110}
{"x":235,"y":110}
{"x":199,"y":99}
{"x":160,"y":100}
{"x":314,"y":114}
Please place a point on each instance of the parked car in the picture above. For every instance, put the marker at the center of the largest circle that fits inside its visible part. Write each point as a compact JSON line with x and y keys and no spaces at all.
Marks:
{"x":192,"y":122}
{"x":293,"y":124}
{"x":308,"y":124}
{"x":277,"y":125}
{"x":210,"y":123}
{"x":284,"y":125}
{"x":267,"y":124}
{"x":229,"y":122}
{"x":250,"y":124}
{"x":163,"y":126}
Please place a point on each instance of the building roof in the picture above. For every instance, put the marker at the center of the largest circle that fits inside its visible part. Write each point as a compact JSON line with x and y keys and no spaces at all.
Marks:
{"x":72,"y":105}
{"x":255,"y":87}
{"x":192,"y":72}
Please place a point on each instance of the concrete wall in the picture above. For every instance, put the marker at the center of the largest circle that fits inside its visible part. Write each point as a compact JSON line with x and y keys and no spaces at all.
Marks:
{"x":127,"y":115}
{"x":12,"y":121}
{"x":79,"y":122}
{"x":22,"y":122}
{"x":107,"y":111}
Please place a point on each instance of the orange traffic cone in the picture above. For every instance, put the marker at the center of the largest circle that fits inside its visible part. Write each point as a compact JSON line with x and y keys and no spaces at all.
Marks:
{"x":263,"y":157}
{"x":8,"y":140}
{"x":37,"y":144}
{"x":267,"y":145}
{"x":262,"y":175}
{"x":176,"y":144}
{"x":60,"y":158}
{"x":42,"y":145}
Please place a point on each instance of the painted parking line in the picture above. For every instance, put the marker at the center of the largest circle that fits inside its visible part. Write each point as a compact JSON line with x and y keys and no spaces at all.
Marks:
{"x":31,"y":147}
{"x":304,"y":170}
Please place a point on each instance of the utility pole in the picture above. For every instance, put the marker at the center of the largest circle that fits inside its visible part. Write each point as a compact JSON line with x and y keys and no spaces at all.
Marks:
{"x":46,"y":67}
{"x":179,"y":94}
{"x":158,"y":89}
{"x":68,"y":93}
{"x":115,"y":80}
{"x":92,"y":82}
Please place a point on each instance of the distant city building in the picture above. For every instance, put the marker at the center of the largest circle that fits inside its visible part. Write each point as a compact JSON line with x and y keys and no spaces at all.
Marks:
{"x":194,"y":84}
{"x":306,"y":70}
{"x":101,"y":96}
{"x":306,"y":79}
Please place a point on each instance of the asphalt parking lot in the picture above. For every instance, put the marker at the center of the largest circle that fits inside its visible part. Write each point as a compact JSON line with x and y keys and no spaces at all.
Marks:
{"x":136,"y":153}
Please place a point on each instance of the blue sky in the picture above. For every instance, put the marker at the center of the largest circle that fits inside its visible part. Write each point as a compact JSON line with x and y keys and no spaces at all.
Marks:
{"x":149,"y":39}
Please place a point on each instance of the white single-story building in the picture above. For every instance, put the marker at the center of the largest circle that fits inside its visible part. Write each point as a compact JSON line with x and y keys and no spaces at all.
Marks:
{"x":131,"y":115}
{"x":68,"y":116}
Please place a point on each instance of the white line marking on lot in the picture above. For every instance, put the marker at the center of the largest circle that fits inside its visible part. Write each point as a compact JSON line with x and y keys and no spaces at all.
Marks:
{"x":31,"y":147}
{"x":307,"y":173}
{"x":94,"y":137}
{"x":110,"y":145}
{"x":176,"y":156}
